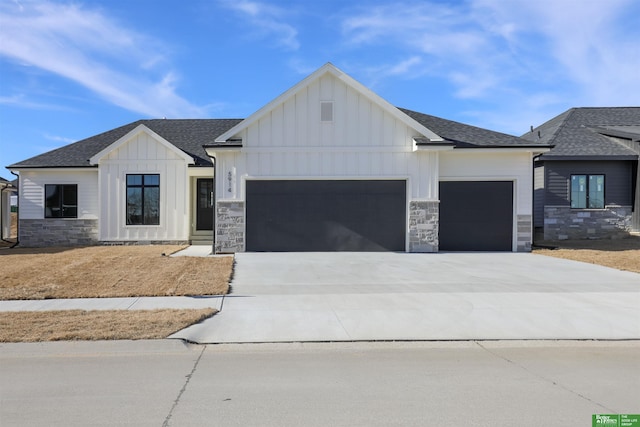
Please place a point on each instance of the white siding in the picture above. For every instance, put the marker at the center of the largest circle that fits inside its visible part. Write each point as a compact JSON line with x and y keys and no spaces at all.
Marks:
{"x":492,"y":166}
{"x":32,"y":184}
{"x":144,"y":155}
{"x":362,"y":142}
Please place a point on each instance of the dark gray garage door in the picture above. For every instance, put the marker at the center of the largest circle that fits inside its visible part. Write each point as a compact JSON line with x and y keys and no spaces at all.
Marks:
{"x":326,"y":215}
{"x":476,"y":216}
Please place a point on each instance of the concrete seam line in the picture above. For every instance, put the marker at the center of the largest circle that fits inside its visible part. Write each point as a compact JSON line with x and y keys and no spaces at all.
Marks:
{"x":555,"y":383}
{"x":340,"y":322}
{"x":182,"y":390}
{"x":135,"y":301}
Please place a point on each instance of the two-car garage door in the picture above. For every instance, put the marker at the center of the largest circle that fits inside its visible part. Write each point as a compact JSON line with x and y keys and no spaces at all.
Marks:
{"x":334,"y":215}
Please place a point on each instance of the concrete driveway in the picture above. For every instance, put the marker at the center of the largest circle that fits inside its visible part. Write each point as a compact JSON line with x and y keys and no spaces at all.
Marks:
{"x":288,"y":297}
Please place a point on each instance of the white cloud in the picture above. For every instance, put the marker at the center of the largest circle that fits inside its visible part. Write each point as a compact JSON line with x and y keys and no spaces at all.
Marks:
{"x":446,"y":36}
{"x":22,"y":101}
{"x":266,"y":21}
{"x":93,"y":50}
{"x":524,"y":60}
{"x":592,"y":44}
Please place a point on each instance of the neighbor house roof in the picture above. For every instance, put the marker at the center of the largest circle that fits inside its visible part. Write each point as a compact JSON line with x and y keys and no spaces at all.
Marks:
{"x":186,"y":134}
{"x":589,"y":133}
{"x":467,"y":136}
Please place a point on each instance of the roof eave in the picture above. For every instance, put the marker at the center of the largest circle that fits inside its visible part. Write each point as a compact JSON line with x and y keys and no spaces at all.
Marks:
{"x":588,"y":158}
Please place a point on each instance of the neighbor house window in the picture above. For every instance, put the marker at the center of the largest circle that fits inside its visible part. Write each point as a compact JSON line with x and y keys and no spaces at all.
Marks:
{"x":143,"y":199}
{"x":587,"y":191}
{"x":61,"y":201}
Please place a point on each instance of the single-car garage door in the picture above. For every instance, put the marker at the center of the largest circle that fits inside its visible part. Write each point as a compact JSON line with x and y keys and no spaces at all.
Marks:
{"x":476,"y":216}
{"x":345,"y":215}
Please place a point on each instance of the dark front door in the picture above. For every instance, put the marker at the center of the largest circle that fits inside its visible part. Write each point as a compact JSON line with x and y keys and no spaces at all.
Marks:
{"x":204,"y":208}
{"x":476,"y":216}
{"x":346,"y":215}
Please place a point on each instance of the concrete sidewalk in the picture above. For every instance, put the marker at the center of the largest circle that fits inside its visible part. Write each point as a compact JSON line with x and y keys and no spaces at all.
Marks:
{"x":390,"y":296}
{"x":132,"y":303}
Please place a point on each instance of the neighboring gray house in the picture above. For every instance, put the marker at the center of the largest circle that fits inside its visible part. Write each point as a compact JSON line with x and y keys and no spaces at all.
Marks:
{"x":326,"y":166}
{"x":588,"y":185}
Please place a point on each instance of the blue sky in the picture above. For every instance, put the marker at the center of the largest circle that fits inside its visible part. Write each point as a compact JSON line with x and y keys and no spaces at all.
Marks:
{"x":72,"y":69}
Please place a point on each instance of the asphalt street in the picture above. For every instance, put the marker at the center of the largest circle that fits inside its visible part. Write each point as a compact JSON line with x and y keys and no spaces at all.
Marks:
{"x":169,"y":383}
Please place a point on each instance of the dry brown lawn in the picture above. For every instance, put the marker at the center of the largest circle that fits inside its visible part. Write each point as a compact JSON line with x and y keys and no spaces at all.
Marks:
{"x":96,"y":325}
{"x":623,"y":254}
{"x":109,"y":271}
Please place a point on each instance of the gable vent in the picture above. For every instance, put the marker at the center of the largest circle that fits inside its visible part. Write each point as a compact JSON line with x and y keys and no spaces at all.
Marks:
{"x":326,"y":111}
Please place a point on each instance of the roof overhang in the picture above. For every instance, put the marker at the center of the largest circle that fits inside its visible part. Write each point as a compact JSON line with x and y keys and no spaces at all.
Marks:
{"x":426,"y":144}
{"x":213,"y":150}
{"x":588,"y":158}
{"x":507,"y":149}
{"x":618,"y":132}
{"x":91,"y":168}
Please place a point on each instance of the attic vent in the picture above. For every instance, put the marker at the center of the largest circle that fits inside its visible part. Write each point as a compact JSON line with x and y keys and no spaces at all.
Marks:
{"x":326,"y":111}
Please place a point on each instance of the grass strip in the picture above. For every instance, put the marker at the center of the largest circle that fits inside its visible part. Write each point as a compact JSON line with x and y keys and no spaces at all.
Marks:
{"x":69,"y":325}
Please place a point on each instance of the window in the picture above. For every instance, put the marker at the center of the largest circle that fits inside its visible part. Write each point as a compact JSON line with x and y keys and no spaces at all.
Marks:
{"x":61,"y":201}
{"x":587,"y":191}
{"x":143,"y":199}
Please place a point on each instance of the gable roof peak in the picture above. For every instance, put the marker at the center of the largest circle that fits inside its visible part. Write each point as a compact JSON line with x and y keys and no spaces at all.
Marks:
{"x":329,"y":68}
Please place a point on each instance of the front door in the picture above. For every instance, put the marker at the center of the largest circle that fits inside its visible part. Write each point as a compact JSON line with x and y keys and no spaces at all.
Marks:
{"x":204,"y":208}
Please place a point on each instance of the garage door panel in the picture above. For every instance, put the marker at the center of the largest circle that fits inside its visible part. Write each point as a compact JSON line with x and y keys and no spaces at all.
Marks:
{"x":476,"y":216}
{"x":326,"y":215}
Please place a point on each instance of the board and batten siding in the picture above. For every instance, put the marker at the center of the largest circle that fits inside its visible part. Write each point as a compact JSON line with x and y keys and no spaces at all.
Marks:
{"x":32,"y":184}
{"x":144,"y":155}
{"x":617,"y":181}
{"x":363,"y":141}
{"x":476,"y":165}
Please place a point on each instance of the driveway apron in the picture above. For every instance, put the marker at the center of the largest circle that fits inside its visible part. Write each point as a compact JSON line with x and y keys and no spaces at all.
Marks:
{"x":355,"y":296}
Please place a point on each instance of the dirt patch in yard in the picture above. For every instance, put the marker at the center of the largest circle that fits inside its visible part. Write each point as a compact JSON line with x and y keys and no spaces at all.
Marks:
{"x":70,"y":325}
{"x":623,"y":254}
{"x":109,"y":271}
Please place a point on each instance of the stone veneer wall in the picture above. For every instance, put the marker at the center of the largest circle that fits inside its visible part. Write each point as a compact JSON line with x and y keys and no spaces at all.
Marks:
{"x":58,"y":232}
{"x":230,"y":227}
{"x":524,"y":233}
{"x":423,"y":226}
{"x":562,"y":223}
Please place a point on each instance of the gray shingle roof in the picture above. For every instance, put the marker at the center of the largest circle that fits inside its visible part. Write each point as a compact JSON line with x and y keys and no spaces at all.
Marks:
{"x":467,"y":136}
{"x":187,"y":134}
{"x":578,"y":133}
{"x":190,"y":135}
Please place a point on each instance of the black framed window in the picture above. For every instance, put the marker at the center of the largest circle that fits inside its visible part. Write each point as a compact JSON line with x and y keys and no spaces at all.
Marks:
{"x":587,"y":191}
{"x":143,"y":199}
{"x":61,"y":201}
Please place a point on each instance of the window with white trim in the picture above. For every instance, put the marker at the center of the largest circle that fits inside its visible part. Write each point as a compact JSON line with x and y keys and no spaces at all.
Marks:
{"x":143,"y":199}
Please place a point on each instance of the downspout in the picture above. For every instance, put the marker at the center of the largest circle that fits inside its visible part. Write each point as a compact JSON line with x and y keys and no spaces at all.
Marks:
{"x":2,"y":214}
{"x":213,"y":201}
{"x":17,"y":212}
{"x":533,"y":200}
